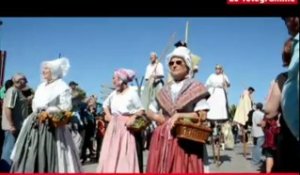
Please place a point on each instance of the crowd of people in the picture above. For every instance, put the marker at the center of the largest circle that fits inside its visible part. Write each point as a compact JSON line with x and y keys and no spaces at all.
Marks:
{"x":58,"y":128}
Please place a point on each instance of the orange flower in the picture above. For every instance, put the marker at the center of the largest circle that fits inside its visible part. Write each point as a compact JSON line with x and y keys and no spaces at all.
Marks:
{"x":56,"y":120}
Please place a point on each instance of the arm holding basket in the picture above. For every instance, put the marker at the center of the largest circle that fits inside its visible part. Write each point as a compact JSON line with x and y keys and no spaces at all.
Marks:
{"x":153,"y":113}
{"x":132,"y":118}
{"x":158,"y":118}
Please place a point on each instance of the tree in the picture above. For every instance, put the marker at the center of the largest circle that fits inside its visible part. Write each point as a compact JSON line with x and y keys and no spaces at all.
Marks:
{"x":232,"y":110}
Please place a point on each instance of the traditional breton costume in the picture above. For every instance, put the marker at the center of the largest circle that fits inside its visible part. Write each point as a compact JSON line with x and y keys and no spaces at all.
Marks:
{"x":44,"y":146}
{"x":119,"y":151}
{"x":218,"y":98}
{"x":243,"y":108}
{"x":151,"y":88}
{"x":168,"y":154}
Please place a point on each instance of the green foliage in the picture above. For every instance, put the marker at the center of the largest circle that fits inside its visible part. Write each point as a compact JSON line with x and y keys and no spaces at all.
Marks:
{"x":232,"y":110}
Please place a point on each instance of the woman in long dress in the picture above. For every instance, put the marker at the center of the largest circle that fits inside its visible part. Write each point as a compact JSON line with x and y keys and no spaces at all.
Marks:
{"x":43,"y":147}
{"x":119,"y":153}
{"x":183,"y":97}
{"x":217,"y":84}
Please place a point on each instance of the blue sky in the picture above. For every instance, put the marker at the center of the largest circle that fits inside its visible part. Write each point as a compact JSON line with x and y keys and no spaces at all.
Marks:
{"x":248,"y":48}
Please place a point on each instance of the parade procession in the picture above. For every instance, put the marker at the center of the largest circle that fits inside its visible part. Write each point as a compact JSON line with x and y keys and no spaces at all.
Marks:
{"x":163,"y":107}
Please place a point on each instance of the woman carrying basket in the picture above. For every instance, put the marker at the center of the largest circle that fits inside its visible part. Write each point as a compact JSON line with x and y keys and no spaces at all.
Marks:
{"x":119,"y":152}
{"x":45,"y":143}
{"x":182,"y":98}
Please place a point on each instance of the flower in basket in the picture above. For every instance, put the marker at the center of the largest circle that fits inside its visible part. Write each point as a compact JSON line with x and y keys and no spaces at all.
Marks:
{"x":56,"y":118}
{"x":140,"y":123}
{"x":201,"y":116}
{"x":186,"y":120}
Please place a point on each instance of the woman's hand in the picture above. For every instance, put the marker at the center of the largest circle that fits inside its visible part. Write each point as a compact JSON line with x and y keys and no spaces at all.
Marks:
{"x":130,"y":121}
{"x":107,"y":117}
{"x":12,"y":129}
{"x":174,"y":118}
{"x":278,"y":122}
{"x":202,"y":115}
{"x":159,"y":119}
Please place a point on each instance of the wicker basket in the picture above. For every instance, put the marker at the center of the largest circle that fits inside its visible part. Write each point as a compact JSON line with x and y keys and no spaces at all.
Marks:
{"x":192,"y":131}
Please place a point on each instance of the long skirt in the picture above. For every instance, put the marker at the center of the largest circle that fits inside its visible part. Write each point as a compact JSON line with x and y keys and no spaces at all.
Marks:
{"x":41,"y":148}
{"x":118,"y":153}
{"x":218,"y":105}
{"x":168,"y":154}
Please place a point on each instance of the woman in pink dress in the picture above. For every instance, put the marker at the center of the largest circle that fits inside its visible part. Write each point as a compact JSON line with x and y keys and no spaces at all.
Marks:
{"x":119,"y":153}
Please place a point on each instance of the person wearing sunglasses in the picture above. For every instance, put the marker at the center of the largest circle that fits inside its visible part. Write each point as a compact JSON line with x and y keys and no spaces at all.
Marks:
{"x":183,"y":97}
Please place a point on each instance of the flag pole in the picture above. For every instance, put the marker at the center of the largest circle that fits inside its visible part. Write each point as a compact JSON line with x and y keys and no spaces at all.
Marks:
{"x":186,"y":32}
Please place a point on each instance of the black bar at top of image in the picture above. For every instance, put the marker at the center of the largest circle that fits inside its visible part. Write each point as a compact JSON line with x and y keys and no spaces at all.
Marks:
{"x":142,"y":8}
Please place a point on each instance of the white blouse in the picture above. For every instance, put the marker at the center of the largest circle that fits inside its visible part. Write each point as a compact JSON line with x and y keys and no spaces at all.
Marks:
{"x":52,"y":97}
{"x":154,"y":69}
{"x":216,"y":81}
{"x":126,"y":103}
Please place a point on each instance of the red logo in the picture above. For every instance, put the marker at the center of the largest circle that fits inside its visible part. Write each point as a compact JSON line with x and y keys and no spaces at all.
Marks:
{"x":262,"y":2}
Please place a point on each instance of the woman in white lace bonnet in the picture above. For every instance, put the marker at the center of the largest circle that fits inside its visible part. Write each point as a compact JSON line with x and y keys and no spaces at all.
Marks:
{"x":51,"y":148}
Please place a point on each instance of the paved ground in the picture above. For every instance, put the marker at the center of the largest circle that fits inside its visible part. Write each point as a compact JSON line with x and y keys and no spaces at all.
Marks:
{"x":232,"y":161}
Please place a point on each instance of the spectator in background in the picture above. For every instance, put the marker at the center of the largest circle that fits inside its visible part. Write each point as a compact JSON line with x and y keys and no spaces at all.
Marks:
{"x":235,"y":132}
{"x":28,"y":93}
{"x":290,"y":102}
{"x":15,"y":110}
{"x":286,"y":156}
{"x":258,"y":134}
{"x":88,"y":115}
{"x":77,"y":126}
{"x":290,"y":92}
{"x":101,"y":127}
{"x":8,"y":83}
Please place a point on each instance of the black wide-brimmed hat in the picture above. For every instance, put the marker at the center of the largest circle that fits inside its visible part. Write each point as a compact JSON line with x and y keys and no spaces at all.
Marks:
{"x":73,"y":83}
{"x":180,"y":43}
